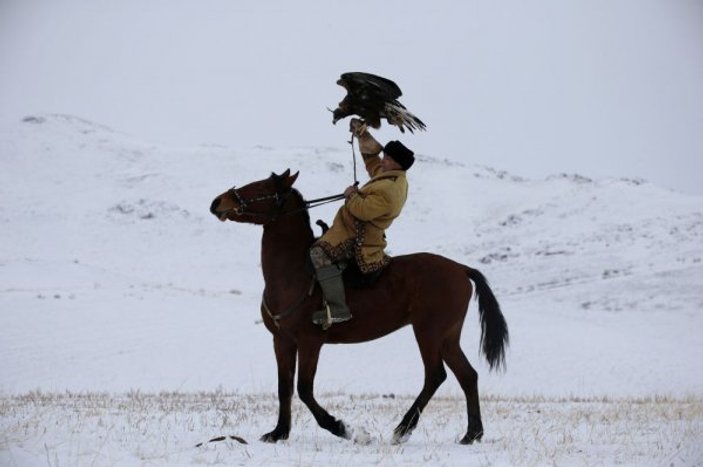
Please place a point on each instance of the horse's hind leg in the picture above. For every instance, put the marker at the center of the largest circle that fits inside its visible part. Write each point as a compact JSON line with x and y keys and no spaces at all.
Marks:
{"x":468,"y":380}
{"x":308,"y":356}
{"x":434,"y":377}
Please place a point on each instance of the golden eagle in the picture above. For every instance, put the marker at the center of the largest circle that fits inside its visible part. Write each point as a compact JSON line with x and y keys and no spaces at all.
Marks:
{"x":372,"y":98}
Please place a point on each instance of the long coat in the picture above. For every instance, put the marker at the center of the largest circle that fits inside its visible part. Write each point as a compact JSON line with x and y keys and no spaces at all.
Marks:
{"x":358,"y":228}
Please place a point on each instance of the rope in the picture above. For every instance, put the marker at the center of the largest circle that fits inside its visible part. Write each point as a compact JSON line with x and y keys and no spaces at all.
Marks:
{"x":313,"y":203}
{"x":351,"y":142}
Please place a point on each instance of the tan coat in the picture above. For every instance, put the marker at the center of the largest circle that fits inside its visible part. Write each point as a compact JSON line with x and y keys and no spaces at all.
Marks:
{"x":358,"y":228}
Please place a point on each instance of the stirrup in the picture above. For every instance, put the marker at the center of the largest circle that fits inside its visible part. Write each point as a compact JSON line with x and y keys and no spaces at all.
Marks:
{"x":325,"y":319}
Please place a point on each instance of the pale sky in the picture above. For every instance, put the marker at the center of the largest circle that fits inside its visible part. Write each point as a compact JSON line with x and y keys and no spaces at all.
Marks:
{"x":600,"y":88}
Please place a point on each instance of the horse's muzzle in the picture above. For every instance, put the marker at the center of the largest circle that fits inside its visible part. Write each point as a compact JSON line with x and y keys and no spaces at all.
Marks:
{"x":213,"y":209}
{"x":213,"y":206}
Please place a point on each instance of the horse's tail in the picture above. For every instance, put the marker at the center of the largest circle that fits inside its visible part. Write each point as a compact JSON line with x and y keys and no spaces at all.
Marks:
{"x":494,"y":329}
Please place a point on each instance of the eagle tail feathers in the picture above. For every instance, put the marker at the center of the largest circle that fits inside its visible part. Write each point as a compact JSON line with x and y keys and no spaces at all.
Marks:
{"x":398,"y":115}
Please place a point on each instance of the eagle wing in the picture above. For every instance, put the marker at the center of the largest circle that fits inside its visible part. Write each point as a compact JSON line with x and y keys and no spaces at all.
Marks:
{"x":368,"y":86}
{"x":373,"y":97}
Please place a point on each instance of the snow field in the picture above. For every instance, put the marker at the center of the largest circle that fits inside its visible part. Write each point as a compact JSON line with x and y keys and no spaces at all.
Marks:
{"x":163,"y":429}
{"x":124,"y":306}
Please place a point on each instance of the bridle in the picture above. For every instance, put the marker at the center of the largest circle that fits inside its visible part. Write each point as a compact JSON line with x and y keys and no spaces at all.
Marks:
{"x":243,"y":208}
{"x":244,"y":203}
{"x":280,"y":199}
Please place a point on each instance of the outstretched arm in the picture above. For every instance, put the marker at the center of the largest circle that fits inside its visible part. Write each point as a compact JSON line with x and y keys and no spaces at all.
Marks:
{"x":368,"y":146}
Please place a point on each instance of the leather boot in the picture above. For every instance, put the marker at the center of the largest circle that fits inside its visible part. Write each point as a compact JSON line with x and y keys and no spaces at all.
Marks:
{"x":336,"y":309}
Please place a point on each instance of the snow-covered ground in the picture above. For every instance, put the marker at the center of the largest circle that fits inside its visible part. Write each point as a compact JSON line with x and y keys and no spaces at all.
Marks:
{"x":116,"y":284}
{"x":165,"y":429}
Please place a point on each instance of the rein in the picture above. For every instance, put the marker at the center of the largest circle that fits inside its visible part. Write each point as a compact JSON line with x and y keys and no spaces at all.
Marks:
{"x":313,"y":203}
{"x":280,"y":200}
{"x":277,"y":212}
{"x":288,"y":311}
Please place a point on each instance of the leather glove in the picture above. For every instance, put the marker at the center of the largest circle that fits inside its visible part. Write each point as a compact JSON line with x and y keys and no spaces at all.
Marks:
{"x":357,"y":127}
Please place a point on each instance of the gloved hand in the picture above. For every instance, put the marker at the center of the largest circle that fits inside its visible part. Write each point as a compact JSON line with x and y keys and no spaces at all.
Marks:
{"x":357,"y":127}
{"x":350,"y":191}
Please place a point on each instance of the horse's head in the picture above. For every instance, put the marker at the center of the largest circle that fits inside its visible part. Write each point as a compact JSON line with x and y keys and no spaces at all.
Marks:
{"x":256,"y":203}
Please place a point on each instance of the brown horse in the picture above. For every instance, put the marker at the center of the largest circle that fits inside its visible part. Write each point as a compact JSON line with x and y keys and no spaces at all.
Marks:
{"x":427,"y":291}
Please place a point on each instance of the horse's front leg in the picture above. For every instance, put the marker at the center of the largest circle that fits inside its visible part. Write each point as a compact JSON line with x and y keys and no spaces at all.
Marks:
{"x":308,"y":356}
{"x":285,"y":358}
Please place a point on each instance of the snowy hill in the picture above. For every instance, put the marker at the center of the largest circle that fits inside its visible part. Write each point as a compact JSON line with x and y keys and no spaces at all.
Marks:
{"x":100,"y":228}
{"x":115,"y":277}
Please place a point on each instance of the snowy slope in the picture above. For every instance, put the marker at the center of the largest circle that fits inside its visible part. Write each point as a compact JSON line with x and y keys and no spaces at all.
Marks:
{"x":116,"y":282}
{"x":114,"y":276}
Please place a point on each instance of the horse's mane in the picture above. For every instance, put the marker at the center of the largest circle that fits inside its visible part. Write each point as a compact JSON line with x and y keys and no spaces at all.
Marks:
{"x":301,"y":201}
{"x":300,"y":204}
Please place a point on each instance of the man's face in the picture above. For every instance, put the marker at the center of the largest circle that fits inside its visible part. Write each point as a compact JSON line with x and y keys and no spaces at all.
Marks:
{"x":388,"y":163}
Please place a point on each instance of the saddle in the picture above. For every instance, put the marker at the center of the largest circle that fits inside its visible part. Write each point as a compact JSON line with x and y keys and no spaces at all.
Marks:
{"x":352,"y":275}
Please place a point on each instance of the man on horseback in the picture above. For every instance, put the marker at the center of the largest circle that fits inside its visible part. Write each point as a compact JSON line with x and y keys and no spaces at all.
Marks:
{"x":357,"y":232}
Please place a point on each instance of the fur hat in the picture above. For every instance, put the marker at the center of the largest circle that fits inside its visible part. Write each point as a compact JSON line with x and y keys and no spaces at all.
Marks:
{"x":402,"y":155}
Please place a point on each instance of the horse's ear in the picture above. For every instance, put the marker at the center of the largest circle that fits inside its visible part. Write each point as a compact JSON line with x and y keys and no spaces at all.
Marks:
{"x":285,"y":174}
{"x":289,"y":180}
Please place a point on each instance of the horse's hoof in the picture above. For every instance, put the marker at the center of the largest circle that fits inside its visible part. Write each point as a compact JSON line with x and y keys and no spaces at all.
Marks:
{"x":400,"y":436}
{"x":471,"y":437}
{"x":273,"y":437}
{"x":343,"y":431}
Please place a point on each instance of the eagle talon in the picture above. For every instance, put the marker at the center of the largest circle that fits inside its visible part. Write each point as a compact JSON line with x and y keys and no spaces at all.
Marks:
{"x":357,"y":127}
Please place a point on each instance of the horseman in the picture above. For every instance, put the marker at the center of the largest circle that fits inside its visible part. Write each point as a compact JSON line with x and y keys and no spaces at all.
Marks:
{"x":357,"y":232}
